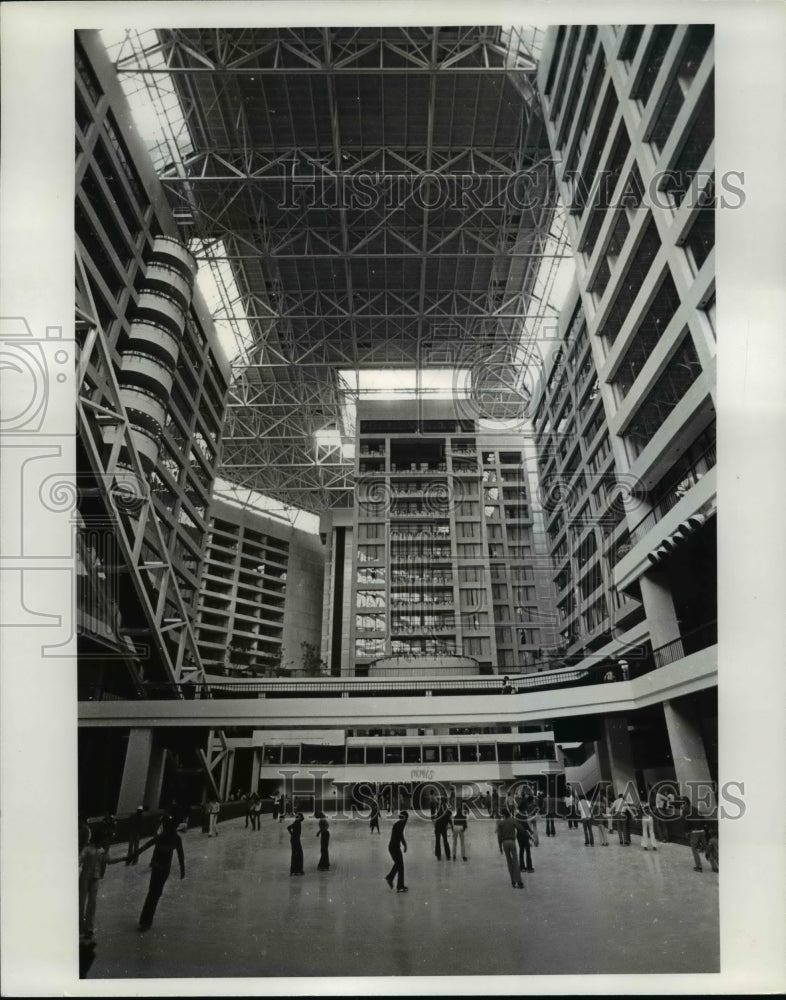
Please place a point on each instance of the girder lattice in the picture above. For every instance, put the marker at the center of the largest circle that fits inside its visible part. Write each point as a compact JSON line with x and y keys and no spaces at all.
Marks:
{"x":383,"y":198}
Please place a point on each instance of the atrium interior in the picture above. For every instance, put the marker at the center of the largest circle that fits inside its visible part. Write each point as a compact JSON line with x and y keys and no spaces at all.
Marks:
{"x":396,"y":455}
{"x":395,"y":499}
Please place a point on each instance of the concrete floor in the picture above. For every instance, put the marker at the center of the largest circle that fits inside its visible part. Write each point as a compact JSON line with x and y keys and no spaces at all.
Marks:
{"x":239,"y":913}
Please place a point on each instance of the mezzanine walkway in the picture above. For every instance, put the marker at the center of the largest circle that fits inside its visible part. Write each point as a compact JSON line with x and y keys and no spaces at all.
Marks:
{"x":353,"y":702}
{"x":238,"y":912}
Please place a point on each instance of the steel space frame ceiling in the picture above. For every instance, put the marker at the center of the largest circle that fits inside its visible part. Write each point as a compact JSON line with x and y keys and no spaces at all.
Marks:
{"x":383,"y":196}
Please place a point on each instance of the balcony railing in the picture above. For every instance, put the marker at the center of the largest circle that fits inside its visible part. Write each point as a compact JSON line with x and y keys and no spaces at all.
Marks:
{"x":700,"y":468}
{"x":419,"y":467}
{"x":692,"y":642}
{"x":412,"y":683}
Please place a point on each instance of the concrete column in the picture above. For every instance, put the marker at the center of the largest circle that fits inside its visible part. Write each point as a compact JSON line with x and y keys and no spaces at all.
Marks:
{"x":255,"y":770}
{"x":689,"y":755}
{"x":222,"y":781}
{"x":140,"y":755}
{"x":604,"y":764}
{"x":659,"y":606}
{"x":616,"y":754}
{"x":155,"y":776}
{"x":230,"y":773}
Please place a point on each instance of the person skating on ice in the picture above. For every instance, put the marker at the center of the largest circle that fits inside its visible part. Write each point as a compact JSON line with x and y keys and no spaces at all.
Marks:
{"x":442,"y":823}
{"x":324,"y":840}
{"x":296,"y":860}
{"x":507,"y":826}
{"x":459,"y":830}
{"x":397,"y":845}
{"x":164,"y":845}
{"x":373,"y":823}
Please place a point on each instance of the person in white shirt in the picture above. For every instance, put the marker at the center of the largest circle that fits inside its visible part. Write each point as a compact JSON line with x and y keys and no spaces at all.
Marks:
{"x":600,"y":823}
{"x":620,"y":810}
{"x":570,"y":811}
{"x":585,"y":814}
{"x":647,"y":829}
{"x":213,"y":809}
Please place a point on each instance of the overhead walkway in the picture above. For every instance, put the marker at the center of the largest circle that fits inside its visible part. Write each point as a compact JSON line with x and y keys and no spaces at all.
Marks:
{"x":353,"y":702}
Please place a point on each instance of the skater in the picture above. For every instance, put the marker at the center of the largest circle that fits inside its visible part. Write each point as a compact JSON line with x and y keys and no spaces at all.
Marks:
{"x":551,"y":815}
{"x":92,"y":866}
{"x":135,"y":825}
{"x":647,"y":829}
{"x":506,"y":838}
{"x":164,"y":845}
{"x":256,"y":812}
{"x":395,"y":847}
{"x":443,"y":821}
{"x":324,"y":840}
{"x":373,"y":823}
{"x":696,"y":826}
{"x":459,"y":830}
{"x":601,"y":822}
{"x":213,"y":809}
{"x":524,"y":840}
{"x":570,"y":811}
{"x":296,"y":862}
{"x":531,"y":810}
{"x":585,"y":811}
{"x":620,"y":811}
{"x":658,"y":804}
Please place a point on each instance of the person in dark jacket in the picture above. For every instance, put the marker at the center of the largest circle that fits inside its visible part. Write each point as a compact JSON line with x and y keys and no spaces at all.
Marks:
{"x":164,"y":845}
{"x":621,"y":813}
{"x":507,"y":827}
{"x":324,"y":840}
{"x":373,"y":823}
{"x":395,"y":847}
{"x":551,"y":815}
{"x":524,"y":841}
{"x":459,"y":830}
{"x":134,"y":828}
{"x":443,"y":822}
{"x":296,"y":862}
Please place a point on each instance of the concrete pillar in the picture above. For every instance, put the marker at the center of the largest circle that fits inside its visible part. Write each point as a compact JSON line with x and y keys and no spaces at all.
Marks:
{"x":255,"y":770}
{"x":689,"y":755}
{"x":230,"y":773}
{"x":155,"y":776}
{"x":659,"y":607}
{"x":142,"y":773}
{"x":616,"y":756}
{"x":222,"y":781}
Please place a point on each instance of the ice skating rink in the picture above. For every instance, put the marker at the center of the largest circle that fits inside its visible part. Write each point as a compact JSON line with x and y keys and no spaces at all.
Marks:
{"x":238,"y":912}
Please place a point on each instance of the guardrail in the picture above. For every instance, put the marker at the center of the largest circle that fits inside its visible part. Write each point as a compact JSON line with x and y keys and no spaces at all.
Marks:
{"x":697,"y":470}
{"x":698,"y":639}
{"x":605,"y":671}
{"x":364,"y":687}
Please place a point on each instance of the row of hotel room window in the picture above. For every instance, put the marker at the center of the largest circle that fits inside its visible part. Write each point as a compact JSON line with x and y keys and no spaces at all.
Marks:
{"x":465,"y":753}
{"x":470,"y":598}
{"x":436,"y":532}
{"x":442,"y":550}
{"x":432,"y":646}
